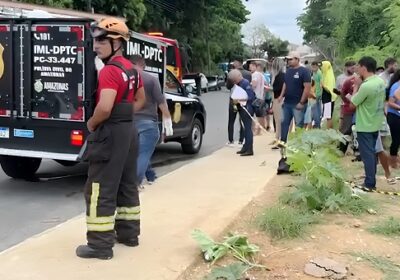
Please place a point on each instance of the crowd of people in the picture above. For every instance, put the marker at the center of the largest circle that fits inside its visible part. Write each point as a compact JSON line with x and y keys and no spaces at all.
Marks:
{"x":304,"y":96}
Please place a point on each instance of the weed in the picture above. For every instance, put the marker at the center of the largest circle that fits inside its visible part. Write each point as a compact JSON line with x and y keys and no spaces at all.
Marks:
{"x":313,"y":154}
{"x":283,"y":221}
{"x":388,"y":227}
{"x":390,"y":269}
{"x":236,"y":245}
{"x":357,"y":205}
{"x":230,"y":272}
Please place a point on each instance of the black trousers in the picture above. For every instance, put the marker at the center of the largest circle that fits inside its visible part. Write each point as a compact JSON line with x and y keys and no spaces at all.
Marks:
{"x":248,"y":132}
{"x":345,"y":128}
{"x":394,"y":125}
{"x":111,"y":194}
{"x":231,"y":123}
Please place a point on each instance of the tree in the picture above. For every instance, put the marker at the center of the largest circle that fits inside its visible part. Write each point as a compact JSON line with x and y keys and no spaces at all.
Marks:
{"x":260,"y":37}
{"x":342,"y":29}
{"x":275,"y":47}
{"x":209,"y":31}
{"x":133,"y":10}
{"x":53,"y":3}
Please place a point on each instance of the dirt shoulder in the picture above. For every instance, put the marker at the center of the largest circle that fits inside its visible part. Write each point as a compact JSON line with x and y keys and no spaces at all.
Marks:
{"x":335,"y":237}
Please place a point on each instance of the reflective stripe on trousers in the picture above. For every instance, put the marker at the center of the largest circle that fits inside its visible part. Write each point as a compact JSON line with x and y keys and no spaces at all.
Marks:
{"x":128,"y":213}
{"x":93,"y":222}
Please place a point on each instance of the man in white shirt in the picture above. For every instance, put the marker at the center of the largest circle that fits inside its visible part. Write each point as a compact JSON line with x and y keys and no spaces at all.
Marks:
{"x":257,"y":83}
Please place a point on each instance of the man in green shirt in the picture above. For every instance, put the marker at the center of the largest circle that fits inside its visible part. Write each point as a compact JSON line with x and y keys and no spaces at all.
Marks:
{"x":369,"y":103}
{"x":316,"y":108}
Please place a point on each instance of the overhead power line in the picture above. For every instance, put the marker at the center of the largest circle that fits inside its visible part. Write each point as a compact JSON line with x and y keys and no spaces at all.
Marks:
{"x":164,"y":5}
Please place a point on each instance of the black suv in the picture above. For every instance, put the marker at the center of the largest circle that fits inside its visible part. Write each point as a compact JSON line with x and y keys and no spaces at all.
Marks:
{"x":188,"y":116}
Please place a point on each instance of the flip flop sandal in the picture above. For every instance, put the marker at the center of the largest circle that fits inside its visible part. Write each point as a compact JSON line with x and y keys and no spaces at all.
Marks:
{"x":359,"y":177}
{"x":391,"y":181}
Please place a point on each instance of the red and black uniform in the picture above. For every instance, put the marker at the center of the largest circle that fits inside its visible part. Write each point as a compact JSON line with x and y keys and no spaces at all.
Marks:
{"x":112,"y":200}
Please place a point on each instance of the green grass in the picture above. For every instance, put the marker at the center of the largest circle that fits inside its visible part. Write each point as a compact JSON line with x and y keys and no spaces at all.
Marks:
{"x":358,"y":205}
{"x":349,"y":204}
{"x":388,"y":227}
{"x":390,"y":269}
{"x":285,"y":222}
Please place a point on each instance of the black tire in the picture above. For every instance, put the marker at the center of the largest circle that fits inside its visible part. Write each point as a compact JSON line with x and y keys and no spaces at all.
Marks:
{"x":66,"y":163}
{"x":20,"y":167}
{"x":192,"y":143}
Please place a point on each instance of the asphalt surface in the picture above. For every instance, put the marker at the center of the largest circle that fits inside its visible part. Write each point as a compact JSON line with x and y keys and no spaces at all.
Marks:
{"x":28,"y":208}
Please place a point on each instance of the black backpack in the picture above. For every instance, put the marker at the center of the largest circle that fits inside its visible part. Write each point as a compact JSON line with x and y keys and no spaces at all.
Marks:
{"x":283,"y":167}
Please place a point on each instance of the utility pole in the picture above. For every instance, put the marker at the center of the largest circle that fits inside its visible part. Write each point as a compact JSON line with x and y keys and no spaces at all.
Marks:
{"x":208,"y":43}
{"x":89,"y":6}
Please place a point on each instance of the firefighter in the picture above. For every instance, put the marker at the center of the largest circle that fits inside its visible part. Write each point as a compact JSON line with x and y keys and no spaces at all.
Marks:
{"x":111,"y":194}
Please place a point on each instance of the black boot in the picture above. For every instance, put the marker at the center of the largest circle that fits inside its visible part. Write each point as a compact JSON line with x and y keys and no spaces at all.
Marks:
{"x":242,"y":151}
{"x":247,"y":153}
{"x":86,"y":252}
{"x":131,"y":242}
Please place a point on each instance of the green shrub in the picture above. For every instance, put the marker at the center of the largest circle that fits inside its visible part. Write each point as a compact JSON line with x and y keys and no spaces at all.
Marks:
{"x":315,"y":157}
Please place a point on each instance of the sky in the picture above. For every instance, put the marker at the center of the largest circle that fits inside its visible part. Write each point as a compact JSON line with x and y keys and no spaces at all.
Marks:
{"x":278,"y":15}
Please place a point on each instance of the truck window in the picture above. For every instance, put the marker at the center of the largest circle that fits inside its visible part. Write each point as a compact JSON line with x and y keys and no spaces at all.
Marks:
{"x":172,"y":85}
{"x":171,"y":59}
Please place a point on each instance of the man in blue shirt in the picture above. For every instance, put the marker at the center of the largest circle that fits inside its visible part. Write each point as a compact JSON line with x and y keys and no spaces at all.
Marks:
{"x":295,"y":93}
{"x":236,"y":78}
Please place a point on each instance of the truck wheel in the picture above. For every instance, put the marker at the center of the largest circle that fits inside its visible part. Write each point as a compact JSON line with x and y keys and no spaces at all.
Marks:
{"x":192,"y":143}
{"x":20,"y":167}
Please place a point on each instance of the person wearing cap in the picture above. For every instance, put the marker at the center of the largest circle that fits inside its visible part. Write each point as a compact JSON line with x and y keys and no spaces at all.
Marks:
{"x":111,"y":194}
{"x":295,"y":92}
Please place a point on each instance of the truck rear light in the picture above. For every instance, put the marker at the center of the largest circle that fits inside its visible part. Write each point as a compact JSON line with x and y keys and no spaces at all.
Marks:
{"x":43,"y":115}
{"x":3,"y":112}
{"x":79,"y":32}
{"x":3,"y":28}
{"x":42,"y":28}
{"x":76,"y":137}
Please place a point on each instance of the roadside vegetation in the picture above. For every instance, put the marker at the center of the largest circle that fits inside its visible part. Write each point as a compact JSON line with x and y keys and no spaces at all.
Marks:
{"x":390,"y":269}
{"x":388,"y":227}
{"x":320,"y":189}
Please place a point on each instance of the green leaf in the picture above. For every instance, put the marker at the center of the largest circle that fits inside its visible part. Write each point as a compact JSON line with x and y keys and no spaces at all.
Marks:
{"x":219,"y":252}
{"x":231,"y":272}
{"x":203,"y":240}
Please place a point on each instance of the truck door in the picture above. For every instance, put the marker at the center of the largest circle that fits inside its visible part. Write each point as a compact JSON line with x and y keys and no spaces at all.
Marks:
{"x":6,"y":79}
{"x":43,"y":86}
{"x":58,"y":72}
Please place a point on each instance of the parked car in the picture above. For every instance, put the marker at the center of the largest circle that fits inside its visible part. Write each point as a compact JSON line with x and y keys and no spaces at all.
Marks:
{"x":188,"y":116}
{"x":215,"y":82}
{"x":195,"y":80}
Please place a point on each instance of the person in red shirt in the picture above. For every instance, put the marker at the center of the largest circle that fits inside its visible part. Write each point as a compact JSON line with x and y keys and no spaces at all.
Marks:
{"x":347,"y":111}
{"x":111,"y":194}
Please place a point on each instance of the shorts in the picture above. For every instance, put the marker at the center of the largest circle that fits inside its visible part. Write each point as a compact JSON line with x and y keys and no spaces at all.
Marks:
{"x":346,"y":124}
{"x":385,"y":130}
{"x":328,"y":110}
{"x":379,"y":146}
{"x":308,"y":113}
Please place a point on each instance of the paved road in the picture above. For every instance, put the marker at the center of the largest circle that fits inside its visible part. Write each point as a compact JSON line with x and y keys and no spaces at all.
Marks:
{"x":28,"y":208}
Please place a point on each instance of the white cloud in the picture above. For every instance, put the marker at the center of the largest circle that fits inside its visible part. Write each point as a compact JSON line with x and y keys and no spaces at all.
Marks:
{"x":278,"y":15}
